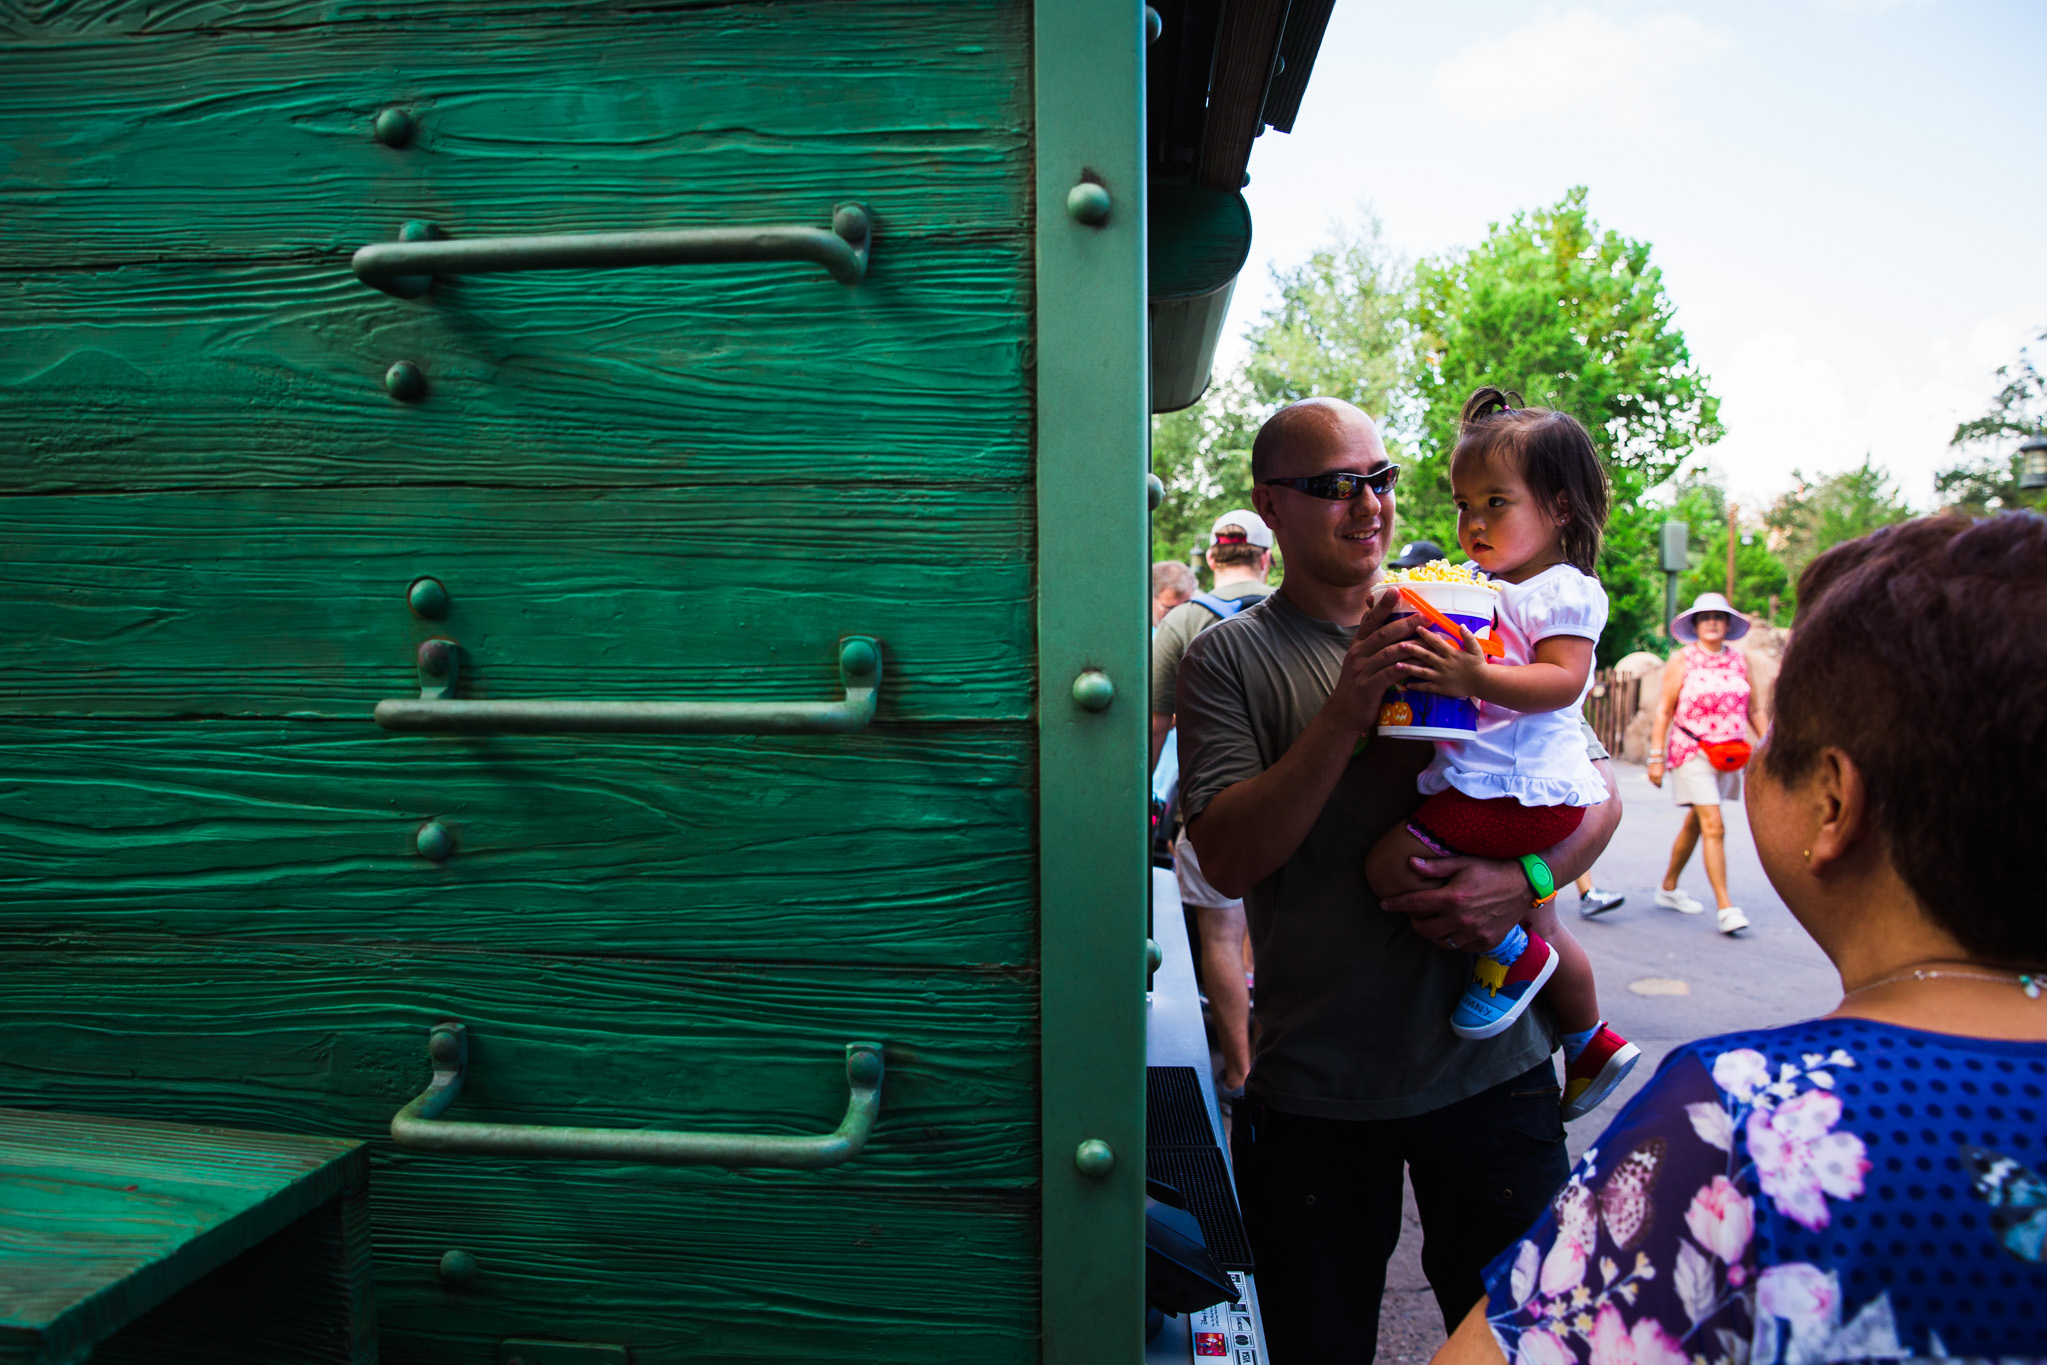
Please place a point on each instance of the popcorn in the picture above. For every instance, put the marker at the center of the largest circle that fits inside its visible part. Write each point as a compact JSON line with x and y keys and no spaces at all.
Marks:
{"x":1441,"y":571}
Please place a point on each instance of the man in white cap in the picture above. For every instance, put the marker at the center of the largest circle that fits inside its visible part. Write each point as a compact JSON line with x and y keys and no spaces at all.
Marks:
{"x":1239,"y":557}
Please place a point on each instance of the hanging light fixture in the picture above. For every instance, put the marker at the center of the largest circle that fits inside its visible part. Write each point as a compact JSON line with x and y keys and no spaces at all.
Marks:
{"x":2033,"y":463}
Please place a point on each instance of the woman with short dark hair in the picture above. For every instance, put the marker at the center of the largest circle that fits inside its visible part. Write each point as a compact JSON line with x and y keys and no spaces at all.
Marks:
{"x":1867,"y":1185}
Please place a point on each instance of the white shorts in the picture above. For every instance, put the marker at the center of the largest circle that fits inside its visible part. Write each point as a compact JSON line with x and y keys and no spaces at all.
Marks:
{"x":1194,"y":888}
{"x":1698,"y":783}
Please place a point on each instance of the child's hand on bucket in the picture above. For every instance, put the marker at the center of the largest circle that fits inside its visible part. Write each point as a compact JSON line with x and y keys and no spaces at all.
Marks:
{"x":1445,"y":668}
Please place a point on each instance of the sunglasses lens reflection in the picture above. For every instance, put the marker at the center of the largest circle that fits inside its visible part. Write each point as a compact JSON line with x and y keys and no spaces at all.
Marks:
{"x":1343,"y":487}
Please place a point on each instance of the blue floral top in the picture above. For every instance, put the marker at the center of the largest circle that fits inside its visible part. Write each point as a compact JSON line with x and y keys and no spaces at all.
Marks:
{"x":1835,"y":1190}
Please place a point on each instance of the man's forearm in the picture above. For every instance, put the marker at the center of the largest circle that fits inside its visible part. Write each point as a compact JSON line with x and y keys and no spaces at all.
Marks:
{"x":1161,"y":726}
{"x":1250,"y":829}
{"x":1482,"y":897}
{"x":1574,"y":857}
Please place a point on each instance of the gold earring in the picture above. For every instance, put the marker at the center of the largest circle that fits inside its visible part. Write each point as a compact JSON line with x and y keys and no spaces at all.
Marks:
{"x":1808,"y":855}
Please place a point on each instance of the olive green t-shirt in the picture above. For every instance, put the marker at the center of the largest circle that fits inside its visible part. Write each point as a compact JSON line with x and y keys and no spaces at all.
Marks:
{"x":1353,"y":1006}
{"x":1177,"y":629}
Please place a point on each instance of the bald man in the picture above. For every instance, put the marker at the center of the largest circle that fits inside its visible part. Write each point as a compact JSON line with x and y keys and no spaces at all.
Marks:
{"x":1356,"y":1074}
{"x":1171,"y":584}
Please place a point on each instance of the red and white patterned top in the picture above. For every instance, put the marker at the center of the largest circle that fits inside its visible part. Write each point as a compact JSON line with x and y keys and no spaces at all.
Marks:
{"x":1712,"y":702}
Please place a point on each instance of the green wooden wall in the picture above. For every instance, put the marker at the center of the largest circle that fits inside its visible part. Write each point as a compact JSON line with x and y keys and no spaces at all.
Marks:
{"x":661,"y":483}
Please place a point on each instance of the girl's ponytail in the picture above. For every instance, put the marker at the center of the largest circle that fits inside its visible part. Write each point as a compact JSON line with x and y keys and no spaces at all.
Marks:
{"x":1487,"y":402}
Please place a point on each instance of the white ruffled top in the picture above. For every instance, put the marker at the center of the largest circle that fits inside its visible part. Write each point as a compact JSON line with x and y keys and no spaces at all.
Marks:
{"x":1536,"y":757}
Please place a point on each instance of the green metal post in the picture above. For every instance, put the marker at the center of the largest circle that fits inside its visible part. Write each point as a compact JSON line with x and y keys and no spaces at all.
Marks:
{"x":1093,"y":436}
{"x":1675,"y":539}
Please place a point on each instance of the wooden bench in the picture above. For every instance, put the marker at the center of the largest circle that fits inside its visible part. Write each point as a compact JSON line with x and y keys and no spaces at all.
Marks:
{"x":128,"y":1241}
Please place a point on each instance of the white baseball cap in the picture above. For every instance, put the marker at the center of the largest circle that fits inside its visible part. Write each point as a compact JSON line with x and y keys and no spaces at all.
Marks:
{"x":1250,"y":524}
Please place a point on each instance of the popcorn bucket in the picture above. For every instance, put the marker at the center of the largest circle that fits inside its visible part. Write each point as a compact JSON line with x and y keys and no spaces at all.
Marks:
{"x":1424,"y":715}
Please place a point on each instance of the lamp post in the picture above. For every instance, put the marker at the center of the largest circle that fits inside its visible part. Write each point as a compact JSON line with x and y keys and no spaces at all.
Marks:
{"x":2033,"y":462}
{"x":1732,"y":509}
{"x":1675,"y":561}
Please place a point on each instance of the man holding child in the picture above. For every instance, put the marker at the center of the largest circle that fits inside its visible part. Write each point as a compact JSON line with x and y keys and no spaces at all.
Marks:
{"x":1357,"y":1074}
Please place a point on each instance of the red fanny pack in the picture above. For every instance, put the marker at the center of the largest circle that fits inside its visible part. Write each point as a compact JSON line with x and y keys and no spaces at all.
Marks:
{"x":1726,"y":755}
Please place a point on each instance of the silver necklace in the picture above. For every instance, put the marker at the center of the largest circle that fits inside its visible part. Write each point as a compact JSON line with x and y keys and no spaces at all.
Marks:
{"x":2029,"y":982}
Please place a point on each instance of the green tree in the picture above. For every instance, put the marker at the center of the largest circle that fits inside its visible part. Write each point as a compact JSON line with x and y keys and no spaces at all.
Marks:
{"x":1988,"y":481}
{"x":1574,"y":318}
{"x":1760,"y":577}
{"x":1817,"y":515}
{"x":1203,"y":456}
{"x":1341,"y":327}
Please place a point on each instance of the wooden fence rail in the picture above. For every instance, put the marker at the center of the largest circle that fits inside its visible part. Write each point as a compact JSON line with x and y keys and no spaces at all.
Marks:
{"x":1611,"y":706}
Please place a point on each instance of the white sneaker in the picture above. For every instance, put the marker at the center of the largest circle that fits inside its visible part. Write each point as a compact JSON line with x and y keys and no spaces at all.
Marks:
{"x":1678,"y":901}
{"x":1597,"y":902}
{"x":1732,"y":920}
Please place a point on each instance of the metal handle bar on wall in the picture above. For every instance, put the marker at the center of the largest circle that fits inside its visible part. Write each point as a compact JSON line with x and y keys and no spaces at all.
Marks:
{"x":407,"y":268}
{"x":420,"y":1127}
{"x":435,"y":712}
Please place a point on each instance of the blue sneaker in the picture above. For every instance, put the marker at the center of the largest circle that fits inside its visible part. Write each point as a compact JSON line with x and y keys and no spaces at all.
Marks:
{"x":1496,"y":996}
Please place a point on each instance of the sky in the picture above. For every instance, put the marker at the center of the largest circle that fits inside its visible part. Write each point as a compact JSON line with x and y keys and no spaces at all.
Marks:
{"x":1848,"y":198}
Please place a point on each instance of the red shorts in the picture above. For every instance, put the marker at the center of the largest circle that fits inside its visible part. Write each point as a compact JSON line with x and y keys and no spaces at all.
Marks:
{"x":1499,"y":828}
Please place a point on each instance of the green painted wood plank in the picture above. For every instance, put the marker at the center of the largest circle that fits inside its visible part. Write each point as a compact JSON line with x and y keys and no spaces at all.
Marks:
{"x":176,"y":146}
{"x":154,"y":376}
{"x":1094,"y":428}
{"x":331,"y":1039}
{"x":64,"y":18}
{"x":293,"y":602}
{"x":687,"y":1269}
{"x":189,"y":368}
{"x":686,"y":1275}
{"x":910,"y":846}
{"x":102,"y":1219}
{"x":306,"y":1296}
{"x":733,"y":1265}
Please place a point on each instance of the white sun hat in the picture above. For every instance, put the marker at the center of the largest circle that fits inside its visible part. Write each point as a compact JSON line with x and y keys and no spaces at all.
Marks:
{"x":1681,"y":626}
{"x":1253,"y":527}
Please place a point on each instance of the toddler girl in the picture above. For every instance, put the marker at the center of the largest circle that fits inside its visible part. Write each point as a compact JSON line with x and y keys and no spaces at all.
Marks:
{"x":1531,"y":503}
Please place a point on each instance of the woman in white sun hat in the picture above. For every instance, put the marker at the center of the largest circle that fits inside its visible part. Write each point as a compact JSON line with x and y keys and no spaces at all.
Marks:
{"x":1706,"y":697}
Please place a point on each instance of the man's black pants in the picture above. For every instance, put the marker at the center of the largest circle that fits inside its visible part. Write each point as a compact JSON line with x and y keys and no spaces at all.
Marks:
{"x":1321,"y":1201}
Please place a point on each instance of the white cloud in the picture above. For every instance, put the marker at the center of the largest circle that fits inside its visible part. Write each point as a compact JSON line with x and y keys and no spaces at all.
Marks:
{"x":1785,"y":408}
{"x":1578,"y":67}
{"x":1789,"y":406}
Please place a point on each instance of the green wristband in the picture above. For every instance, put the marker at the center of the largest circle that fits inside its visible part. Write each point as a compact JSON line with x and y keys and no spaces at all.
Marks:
{"x":1540,"y":880}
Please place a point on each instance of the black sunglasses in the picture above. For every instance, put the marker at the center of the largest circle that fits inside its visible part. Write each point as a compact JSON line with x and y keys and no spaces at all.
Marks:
{"x":1342,"y":485}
